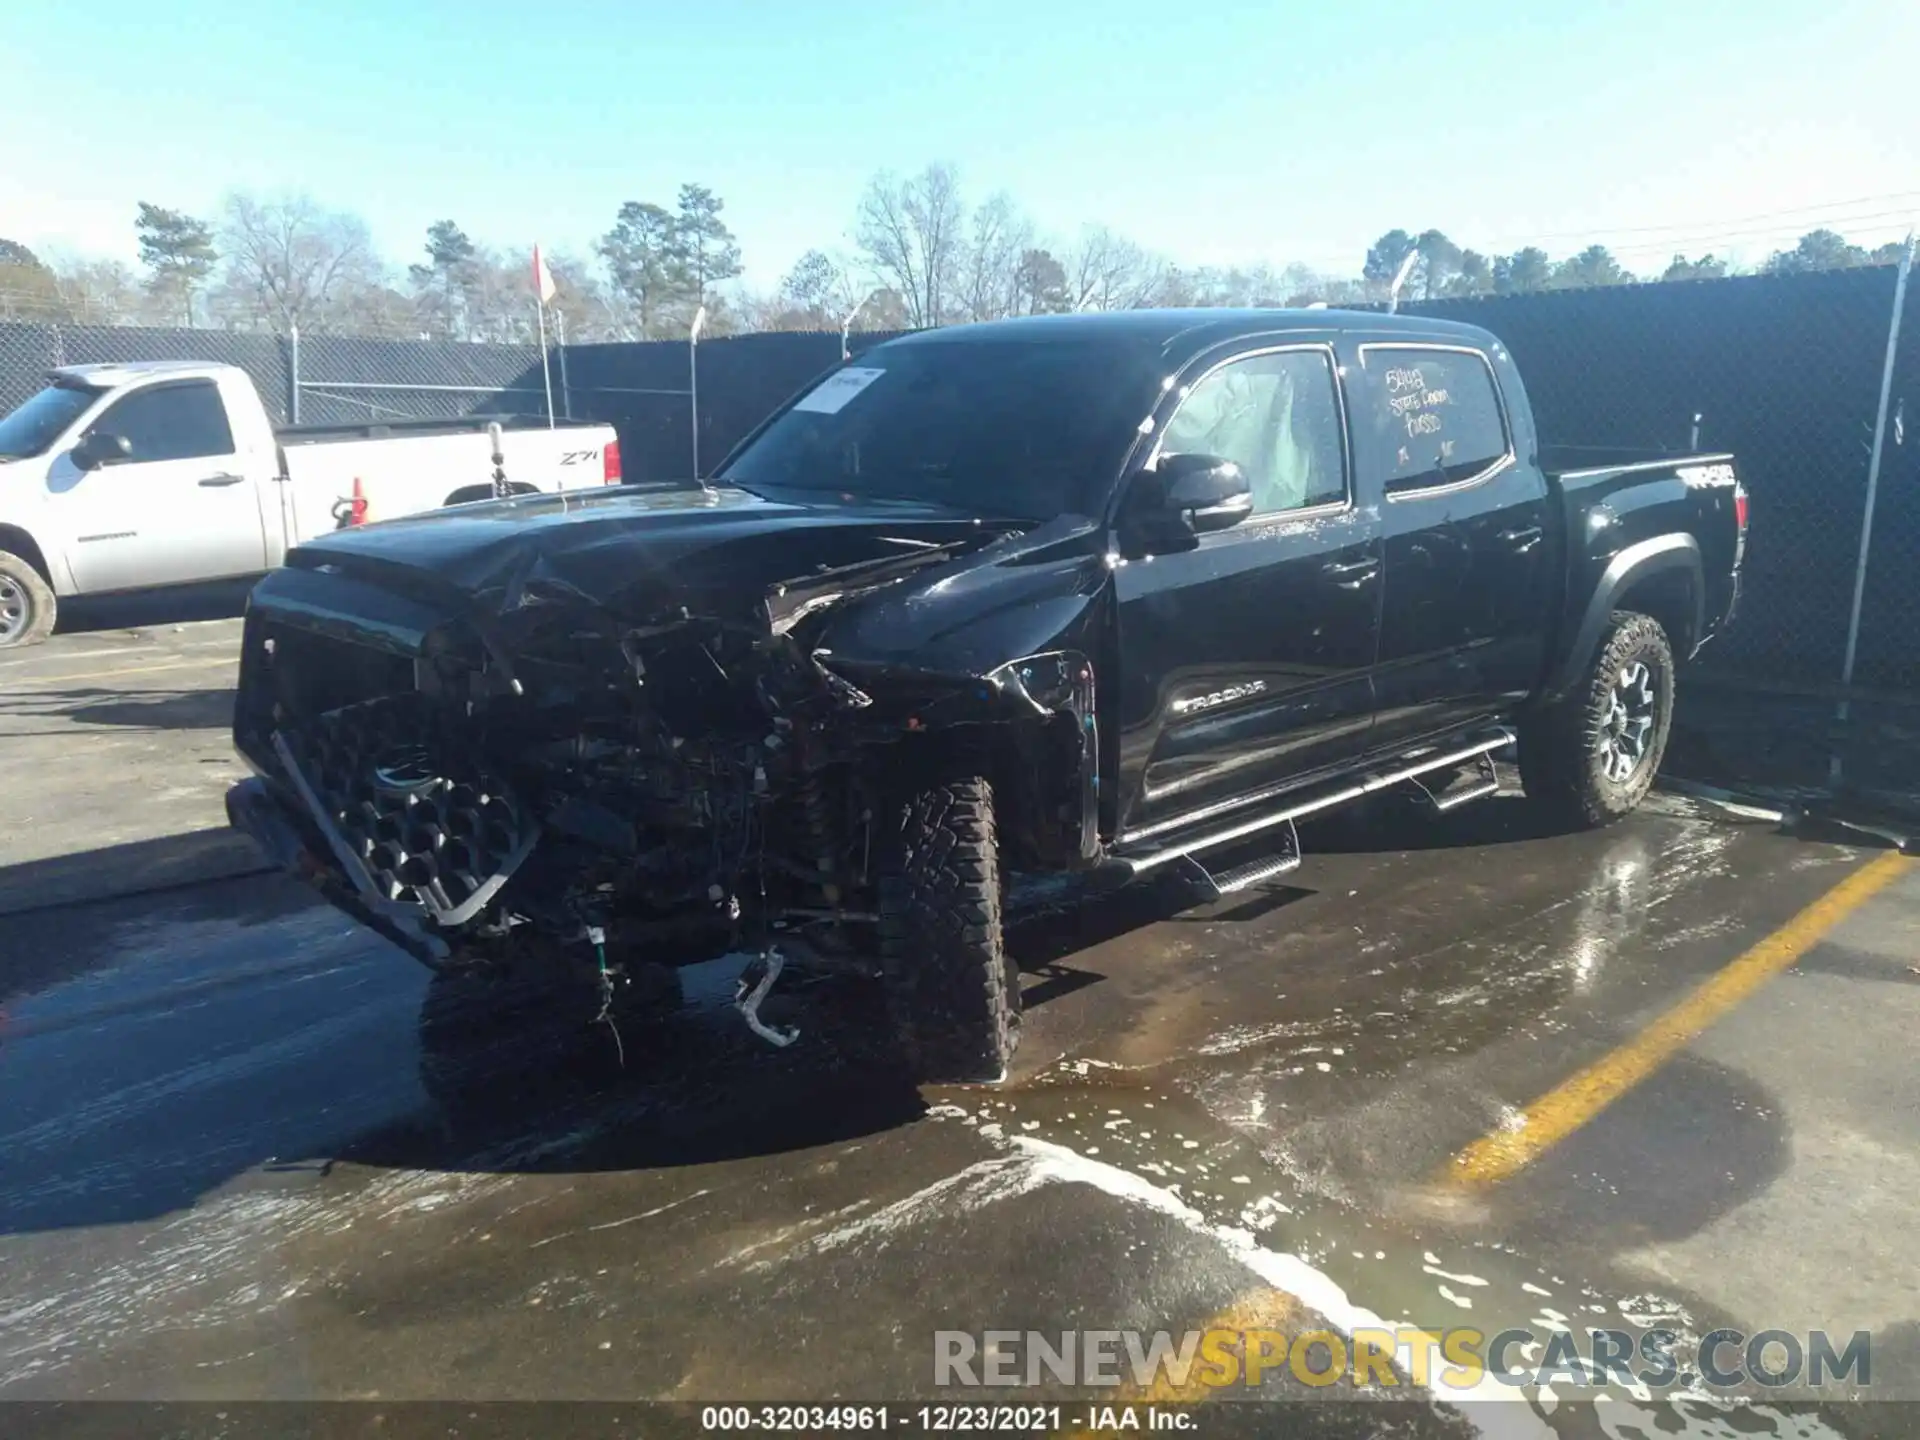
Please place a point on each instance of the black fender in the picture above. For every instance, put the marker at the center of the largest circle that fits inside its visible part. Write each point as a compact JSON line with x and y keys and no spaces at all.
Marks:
{"x":1642,"y":560}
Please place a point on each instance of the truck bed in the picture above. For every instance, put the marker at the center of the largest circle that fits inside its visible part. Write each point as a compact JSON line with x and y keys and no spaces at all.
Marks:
{"x":385,"y":429}
{"x":1610,"y":509}
{"x":413,"y":466}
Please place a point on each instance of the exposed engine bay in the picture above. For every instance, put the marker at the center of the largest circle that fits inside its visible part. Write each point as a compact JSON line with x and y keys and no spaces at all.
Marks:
{"x":560,"y":784}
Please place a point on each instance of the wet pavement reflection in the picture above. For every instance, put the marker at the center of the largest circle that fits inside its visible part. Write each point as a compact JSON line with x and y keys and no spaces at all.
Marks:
{"x":246,"y":1151}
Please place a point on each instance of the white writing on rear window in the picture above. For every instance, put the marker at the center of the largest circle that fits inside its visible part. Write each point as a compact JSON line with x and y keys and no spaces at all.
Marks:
{"x":1414,"y":402}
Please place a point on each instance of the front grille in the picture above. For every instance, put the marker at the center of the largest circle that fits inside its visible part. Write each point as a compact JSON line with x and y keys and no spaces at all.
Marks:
{"x":422,"y":827}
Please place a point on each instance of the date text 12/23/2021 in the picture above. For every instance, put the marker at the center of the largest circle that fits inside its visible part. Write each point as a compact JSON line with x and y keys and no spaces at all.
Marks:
{"x":945,"y":1419}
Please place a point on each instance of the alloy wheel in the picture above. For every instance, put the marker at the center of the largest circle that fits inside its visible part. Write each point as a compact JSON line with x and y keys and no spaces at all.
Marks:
{"x":1626,"y":730}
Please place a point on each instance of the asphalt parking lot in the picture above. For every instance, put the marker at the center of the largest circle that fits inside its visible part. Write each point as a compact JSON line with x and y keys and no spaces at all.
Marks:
{"x":114,"y":756}
{"x":1455,"y":1072}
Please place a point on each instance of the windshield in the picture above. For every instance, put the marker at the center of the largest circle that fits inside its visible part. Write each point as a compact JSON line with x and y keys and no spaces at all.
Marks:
{"x":30,"y":429}
{"x":1013,"y":428}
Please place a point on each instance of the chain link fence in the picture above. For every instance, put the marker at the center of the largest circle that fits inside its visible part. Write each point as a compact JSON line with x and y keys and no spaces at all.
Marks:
{"x":308,"y":380}
{"x":347,"y":380}
{"x":28,"y":351}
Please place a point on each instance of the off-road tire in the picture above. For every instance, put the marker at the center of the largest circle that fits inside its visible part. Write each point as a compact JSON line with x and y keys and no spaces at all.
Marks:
{"x":1563,"y":762}
{"x":24,"y":587}
{"x":952,"y":992}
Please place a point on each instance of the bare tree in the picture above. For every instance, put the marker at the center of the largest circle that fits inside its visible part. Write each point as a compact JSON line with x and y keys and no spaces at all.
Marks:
{"x":816,"y":294}
{"x":1108,"y":272}
{"x":911,"y":233}
{"x":1306,"y":286}
{"x":28,"y":290}
{"x":990,"y":270}
{"x":581,"y":302}
{"x":100,"y":292}
{"x":290,"y":262}
{"x":1237,"y":286}
{"x":367,"y":306}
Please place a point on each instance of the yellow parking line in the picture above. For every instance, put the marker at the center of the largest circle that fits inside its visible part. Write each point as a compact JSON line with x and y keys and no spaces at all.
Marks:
{"x":1568,"y":1106}
{"x":127,"y":670}
{"x":1258,"y":1309}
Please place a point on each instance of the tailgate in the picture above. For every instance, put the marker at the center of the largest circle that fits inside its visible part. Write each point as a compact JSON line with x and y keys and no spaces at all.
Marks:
{"x":407,"y":474}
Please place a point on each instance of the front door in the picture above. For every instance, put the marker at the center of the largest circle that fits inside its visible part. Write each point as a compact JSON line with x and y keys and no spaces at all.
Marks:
{"x":179,"y":508}
{"x":1244,"y":660}
{"x":1465,"y":526}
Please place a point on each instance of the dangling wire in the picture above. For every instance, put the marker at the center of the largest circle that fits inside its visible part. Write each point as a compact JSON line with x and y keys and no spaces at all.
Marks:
{"x":597,"y":936}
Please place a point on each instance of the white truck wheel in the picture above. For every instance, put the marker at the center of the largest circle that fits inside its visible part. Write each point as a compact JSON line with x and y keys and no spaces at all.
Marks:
{"x":27,"y":606}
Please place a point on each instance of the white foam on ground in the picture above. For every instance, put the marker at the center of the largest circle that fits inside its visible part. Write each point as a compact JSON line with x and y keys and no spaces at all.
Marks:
{"x":1289,"y":1273}
{"x":1496,"y":1410}
{"x":983,"y":1183}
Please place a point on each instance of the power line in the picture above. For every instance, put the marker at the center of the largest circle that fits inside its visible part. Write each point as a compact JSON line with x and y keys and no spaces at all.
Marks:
{"x":1705,"y":234}
{"x":1682,"y":234}
{"x":1786,"y":216}
{"x":1771,"y":230}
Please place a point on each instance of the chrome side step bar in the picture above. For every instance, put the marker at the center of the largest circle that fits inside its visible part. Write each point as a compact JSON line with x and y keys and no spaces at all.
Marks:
{"x":1475,"y":782}
{"x":1268,"y":867}
{"x":1480,"y":751}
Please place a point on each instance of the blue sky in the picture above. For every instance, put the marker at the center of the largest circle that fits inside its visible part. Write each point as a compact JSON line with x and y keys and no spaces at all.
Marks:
{"x":1217,"y":132}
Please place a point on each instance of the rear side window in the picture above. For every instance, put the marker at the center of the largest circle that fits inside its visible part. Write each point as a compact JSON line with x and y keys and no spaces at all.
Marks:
{"x":1277,"y":416}
{"x":1435,"y":413}
{"x":171,"y":422}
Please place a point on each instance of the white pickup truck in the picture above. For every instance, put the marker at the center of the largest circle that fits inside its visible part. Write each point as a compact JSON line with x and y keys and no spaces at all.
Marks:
{"x":168,"y":472}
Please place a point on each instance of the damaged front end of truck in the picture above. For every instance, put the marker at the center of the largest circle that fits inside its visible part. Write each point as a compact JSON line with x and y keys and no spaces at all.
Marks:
{"x":536,"y":753}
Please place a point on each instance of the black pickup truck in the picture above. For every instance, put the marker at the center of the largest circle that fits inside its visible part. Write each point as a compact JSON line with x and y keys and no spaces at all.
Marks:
{"x":1073,"y":593}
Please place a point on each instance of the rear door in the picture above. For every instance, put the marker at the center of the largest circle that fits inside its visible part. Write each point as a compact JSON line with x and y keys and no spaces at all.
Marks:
{"x":180,"y":508}
{"x":1244,"y":661}
{"x":1465,"y":525}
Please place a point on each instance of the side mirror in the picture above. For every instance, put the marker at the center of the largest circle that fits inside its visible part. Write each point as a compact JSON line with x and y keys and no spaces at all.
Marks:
{"x":99,"y":447}
{"x":1186,"y":496}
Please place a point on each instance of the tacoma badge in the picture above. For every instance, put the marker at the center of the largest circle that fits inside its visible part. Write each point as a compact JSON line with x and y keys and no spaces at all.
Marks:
{"x":1219,"y":697}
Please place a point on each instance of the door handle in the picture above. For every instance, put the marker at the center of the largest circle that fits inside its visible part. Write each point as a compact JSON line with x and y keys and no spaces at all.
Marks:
{"x":223,"y":478}
{"x":1522,"y":540}
{"x":1352,"y":574}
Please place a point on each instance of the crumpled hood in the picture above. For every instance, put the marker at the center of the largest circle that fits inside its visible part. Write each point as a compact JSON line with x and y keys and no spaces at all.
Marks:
{"x":885,"y":587}
{"x":634,"y":551}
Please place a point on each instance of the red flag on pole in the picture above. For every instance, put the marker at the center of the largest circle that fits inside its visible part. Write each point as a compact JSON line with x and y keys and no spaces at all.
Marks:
{"x":542,"y":278}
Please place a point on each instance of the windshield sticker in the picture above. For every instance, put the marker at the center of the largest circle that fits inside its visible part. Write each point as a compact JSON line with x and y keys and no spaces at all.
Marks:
{"x":831,"y":395}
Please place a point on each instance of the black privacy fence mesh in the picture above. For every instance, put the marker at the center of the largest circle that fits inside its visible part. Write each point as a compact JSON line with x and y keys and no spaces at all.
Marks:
{"x":642,"y":389}
{"x":1784,"y":371}
{"x":344,"y":379}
